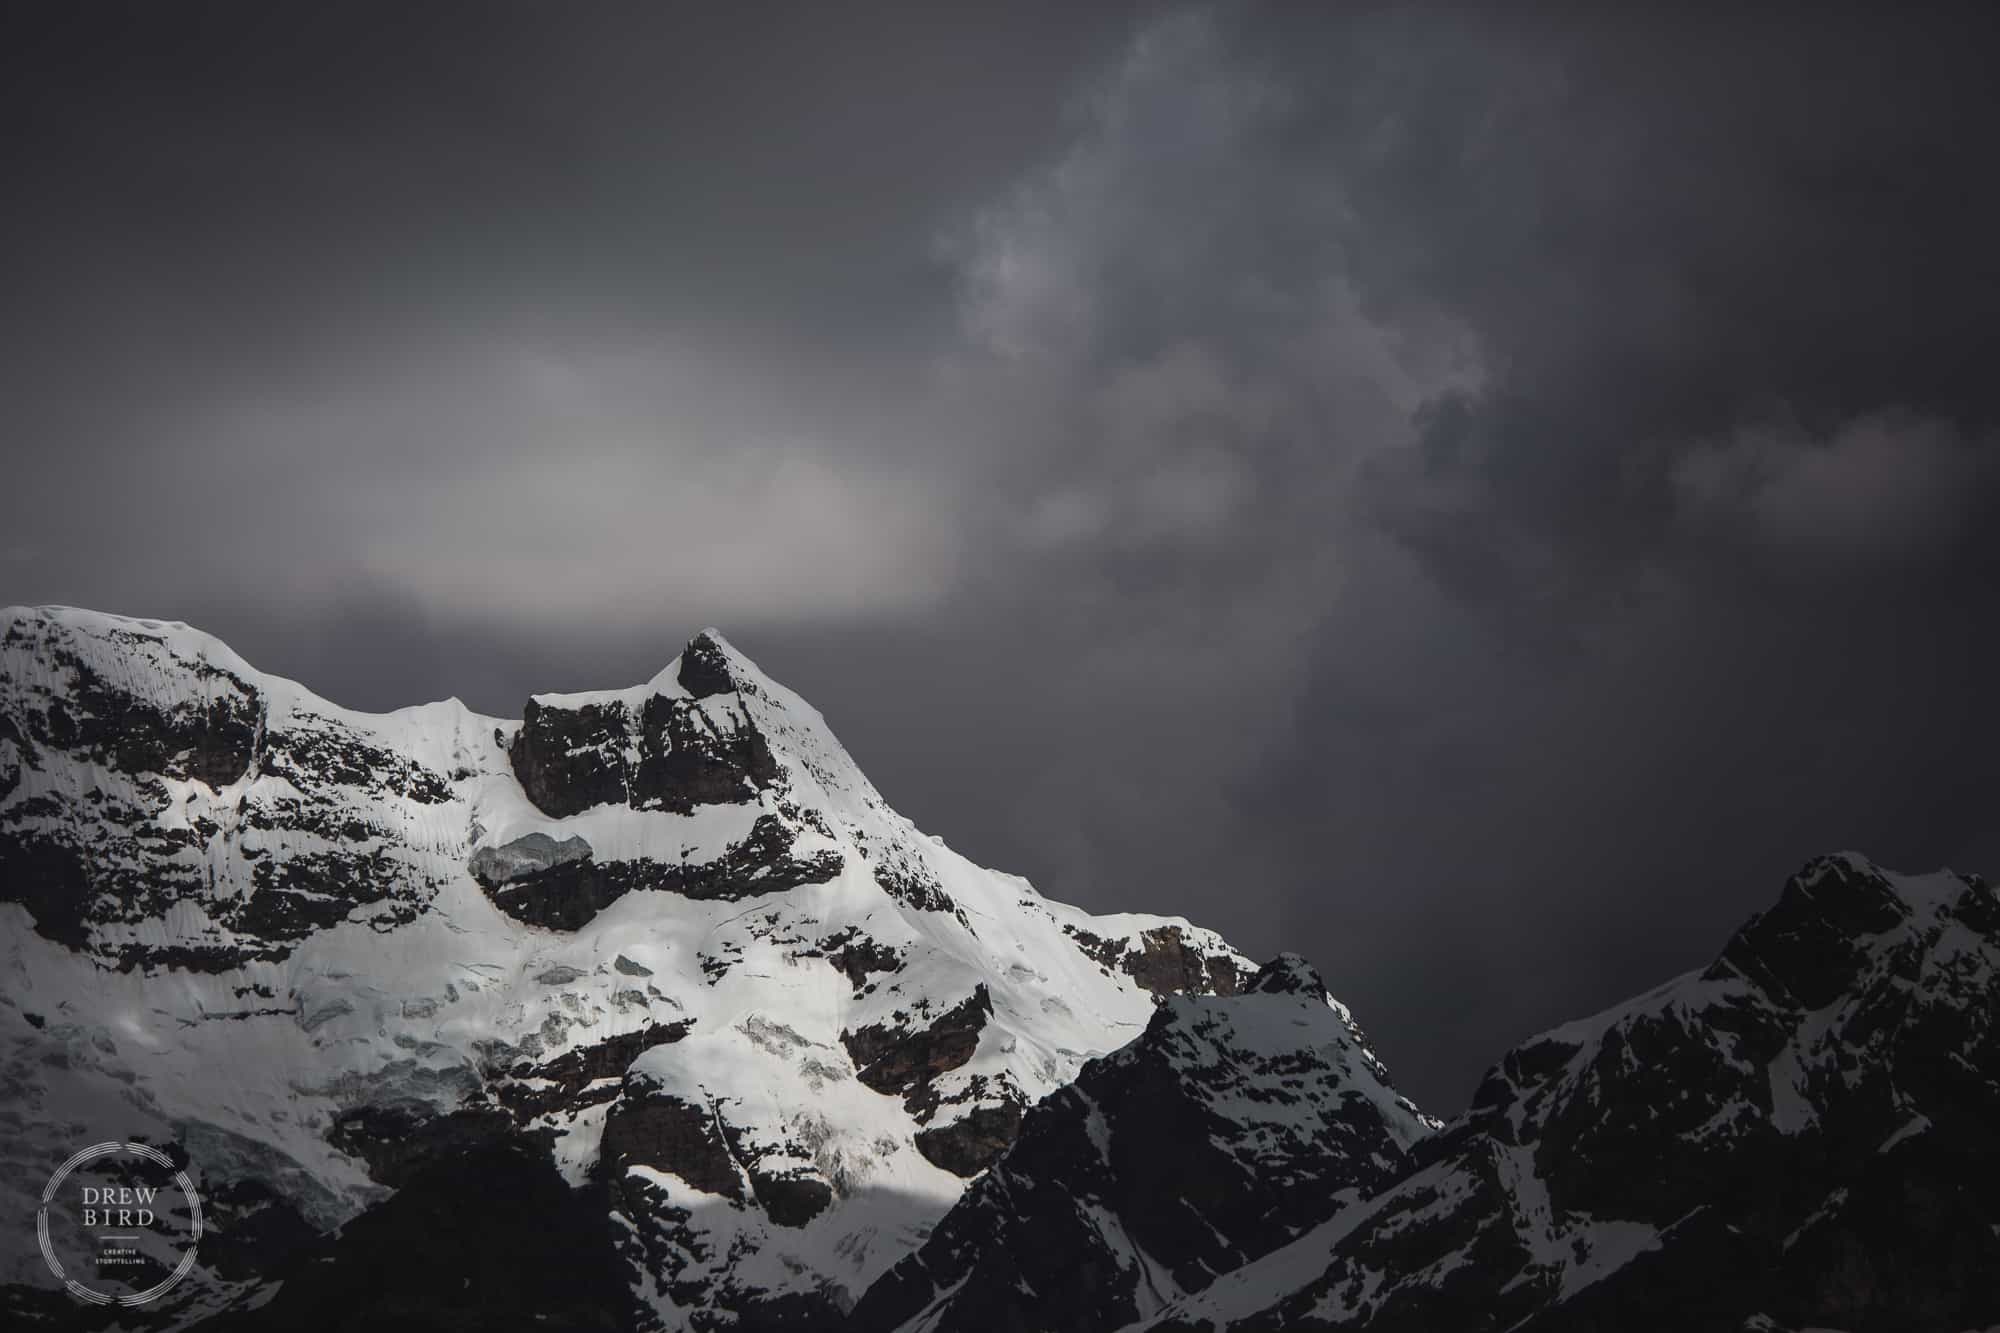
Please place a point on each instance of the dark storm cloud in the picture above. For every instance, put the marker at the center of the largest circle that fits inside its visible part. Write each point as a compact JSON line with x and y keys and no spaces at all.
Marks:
{"x":485,"y":301}
{"x":1476,"y":501}
{"x":1720,"y":508}
{"x":1667,"y":231}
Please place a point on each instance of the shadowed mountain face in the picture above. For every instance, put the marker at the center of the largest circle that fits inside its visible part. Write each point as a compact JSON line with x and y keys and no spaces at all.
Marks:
{"x":1804,"y":1134}
{"x":1229,"y":1126}
{"x":489,"y":1236}
{"x":645,"y":1011}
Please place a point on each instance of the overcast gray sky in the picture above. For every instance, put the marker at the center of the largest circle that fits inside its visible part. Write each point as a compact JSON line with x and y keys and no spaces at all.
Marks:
{"x":1475,"y":500}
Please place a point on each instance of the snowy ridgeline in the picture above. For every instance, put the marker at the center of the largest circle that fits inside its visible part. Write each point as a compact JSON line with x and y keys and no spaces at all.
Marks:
{"x":306,"y":942}
{"x":1803,"y":1135}
{"x":761,"y":1054}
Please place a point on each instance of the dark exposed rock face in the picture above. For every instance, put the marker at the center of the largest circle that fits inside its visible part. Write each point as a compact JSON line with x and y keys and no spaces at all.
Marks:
{"x":653,"y":1127}
{"x":700,"y":1140}
{"x":690,"y":752}
{"x":687,"y":759}
{"x":1224,"y":1131}
{"x":860,"y":958}
{"x":790,"y":1199}
{"x":965,"y":1131}
{"x":668,"y":754}
{"x":99,"y":720}
{"x":903,"y":1058}
{"x":704,"y":669}
{"x":489,"y":1237}
{"x":398,"y":1139}
{"x":571,"y":759}
{"x":911,"y":883}
{"x":649,"y":1126}
{"x":566,"y":895}
{"x":293,"y":825}
{"x":580,"y":1077}
{"x":1804,"y":1135}
{"x":1166,"y":962}
{"x":968,"y":1145}
{"x":322,"y":757}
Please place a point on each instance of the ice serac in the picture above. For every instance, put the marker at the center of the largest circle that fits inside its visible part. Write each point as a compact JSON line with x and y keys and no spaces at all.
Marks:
{"x":1805,"y":1134}
{"x":1227,"y":1128}
{"x":668,"y":940}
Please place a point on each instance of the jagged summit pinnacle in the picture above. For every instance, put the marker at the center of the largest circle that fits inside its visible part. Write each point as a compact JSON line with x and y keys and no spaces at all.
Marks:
{"x":709,"y":664}
{"x":1288,"y":974}
{"x":706,"y":665}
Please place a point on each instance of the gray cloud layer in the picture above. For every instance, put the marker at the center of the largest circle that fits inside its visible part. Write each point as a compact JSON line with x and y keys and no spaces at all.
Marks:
{"x":1475,"y":501}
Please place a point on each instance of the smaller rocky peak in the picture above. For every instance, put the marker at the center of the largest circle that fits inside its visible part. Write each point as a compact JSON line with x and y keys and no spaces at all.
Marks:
{"x":1851,"y":891}
{"x":1288,"y":974}
{"x":1224,"y":1131}
{"x":1979,"y":906}
{"x":1811,"y":945}
{"x":655,"y":746}
{"x":708,"y":665}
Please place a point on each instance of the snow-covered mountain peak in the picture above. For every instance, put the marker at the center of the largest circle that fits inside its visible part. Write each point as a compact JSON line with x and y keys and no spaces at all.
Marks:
{"x":1843,"y":924}
{"x":126,"y":641}
{"x":671,"y":933}
{"x":710,"y":697}
{"x":709,"y":664}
